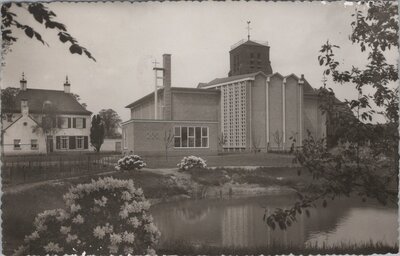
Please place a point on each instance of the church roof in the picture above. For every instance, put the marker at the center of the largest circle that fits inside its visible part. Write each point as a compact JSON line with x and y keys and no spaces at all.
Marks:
{"x":150,"y":96}
{"x":228,"y":79}
{"x":248,"y":43}
{"x":65,"y":102}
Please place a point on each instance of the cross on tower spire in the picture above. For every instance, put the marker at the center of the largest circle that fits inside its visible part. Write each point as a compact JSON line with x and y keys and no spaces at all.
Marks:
{"x":248,"y":30}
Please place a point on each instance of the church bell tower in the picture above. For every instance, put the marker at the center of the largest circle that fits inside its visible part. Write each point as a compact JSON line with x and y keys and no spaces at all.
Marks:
{"x":249,"y":56}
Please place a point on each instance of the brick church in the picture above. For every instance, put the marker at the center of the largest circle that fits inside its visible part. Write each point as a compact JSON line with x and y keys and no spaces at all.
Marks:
{"x":252,"y":109}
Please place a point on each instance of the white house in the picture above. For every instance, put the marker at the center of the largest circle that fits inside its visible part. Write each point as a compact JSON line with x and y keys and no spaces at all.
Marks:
{"x":22,"y":125}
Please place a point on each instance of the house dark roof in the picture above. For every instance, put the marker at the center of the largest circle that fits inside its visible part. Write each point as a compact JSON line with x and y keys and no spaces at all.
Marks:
{"x":64,"y":102}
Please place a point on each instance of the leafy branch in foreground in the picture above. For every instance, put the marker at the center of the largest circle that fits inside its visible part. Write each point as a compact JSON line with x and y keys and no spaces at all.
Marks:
{"x":43,"y":16}
{"x":366,"y":161}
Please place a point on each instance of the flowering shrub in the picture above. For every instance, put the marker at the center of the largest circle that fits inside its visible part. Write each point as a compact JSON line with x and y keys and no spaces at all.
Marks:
{"x":107,"y":216}
{"x":130,"y":162}
{"x":189,"y":162}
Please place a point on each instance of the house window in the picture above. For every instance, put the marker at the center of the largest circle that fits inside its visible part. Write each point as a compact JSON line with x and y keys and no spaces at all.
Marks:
{"x":34,"y":145}
{"x":251,"y":55}
{"x":79,"y":142}
{"x":177,"y":137}
{"x":64,"y":142}
{"x":258,"y":55}
{"x":79,"y":123}
{"x":63,"y":122}
{"x":17,"y":144}
{"x":190,"y":137}
{"x":9,"y":117}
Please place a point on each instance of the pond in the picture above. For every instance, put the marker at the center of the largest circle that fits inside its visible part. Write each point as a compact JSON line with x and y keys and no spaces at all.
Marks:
{"x":239,"y":222}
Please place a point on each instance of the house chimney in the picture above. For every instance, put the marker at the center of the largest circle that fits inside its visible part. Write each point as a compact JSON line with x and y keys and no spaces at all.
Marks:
{"x":301,"y":80}
{"x":67,"y":86}
{"x":23,"y":82}
{"x":167,"y":87}
{"x":24,"y":107}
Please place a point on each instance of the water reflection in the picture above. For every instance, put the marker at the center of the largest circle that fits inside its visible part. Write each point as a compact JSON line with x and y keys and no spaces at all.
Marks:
{"x":238,"y":222}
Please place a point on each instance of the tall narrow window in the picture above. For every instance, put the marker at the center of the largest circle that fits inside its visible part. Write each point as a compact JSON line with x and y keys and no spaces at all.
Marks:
{"x":177,"y":137}
{"x":191,"y":137}
{"x":64,"y":142}
{"x":184,"y":137}
{"x":79,"y":142}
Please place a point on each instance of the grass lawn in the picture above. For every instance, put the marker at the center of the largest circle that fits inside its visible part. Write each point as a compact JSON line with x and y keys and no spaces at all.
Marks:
{"x":244,"y":159}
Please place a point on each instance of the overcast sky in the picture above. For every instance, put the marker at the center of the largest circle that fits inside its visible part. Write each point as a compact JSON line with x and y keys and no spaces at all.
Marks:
{"x":125,"y":39}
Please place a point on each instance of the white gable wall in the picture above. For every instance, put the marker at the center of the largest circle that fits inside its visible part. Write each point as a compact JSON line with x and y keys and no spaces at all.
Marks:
{"x":22,"y":130}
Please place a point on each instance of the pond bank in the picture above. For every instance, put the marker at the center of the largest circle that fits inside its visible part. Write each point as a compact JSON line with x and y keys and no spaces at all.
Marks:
{"x":21,"y":204}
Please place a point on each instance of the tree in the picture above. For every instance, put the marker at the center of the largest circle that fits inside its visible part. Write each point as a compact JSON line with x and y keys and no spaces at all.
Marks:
{"x":48,"y":126}
{"x":97,"y":132}
{"x":369,"y":163}
{"x":43,"y":16}
{"x":168,"y":141}
{"x":278,"y":138}
{"x":78,"y":99}
{"x":222,"y":140}
{"x":8,"y":104}
{"x":111,"y":121}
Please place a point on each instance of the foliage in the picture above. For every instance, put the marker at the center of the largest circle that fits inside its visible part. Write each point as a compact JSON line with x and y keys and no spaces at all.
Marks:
{"x":222,"y":140}
{"x":106,"y":216}
{"x":97,"y":132}
{"x":43,"y":16}
{"x":48,"y":123}
{"x":78,"y":99}
{"x":190,"y":162}
{"x":8,"y":100}
{"x":131,"y":162}
{"x":278,"y":138}
{"x":111,"y":121}
{"x":366,"y":162}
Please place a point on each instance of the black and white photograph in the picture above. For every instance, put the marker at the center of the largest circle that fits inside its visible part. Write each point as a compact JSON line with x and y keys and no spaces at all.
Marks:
{"x":199,"y":128}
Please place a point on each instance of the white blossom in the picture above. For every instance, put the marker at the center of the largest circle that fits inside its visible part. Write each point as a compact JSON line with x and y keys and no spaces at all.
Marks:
{"x":52,"y":247}
{"x":150,"y":252}
{"x":71,"y":238}
{"x":75,"y":208}
{"x":115,"y":238}
{"x":78,"y":219}
{"x":113,"y":248}
{"x":129,"y":237}
{"x":65,"y":230}
{"x":99,"y":232}
{"x":128,"y":250}
{"x":134,"y":222}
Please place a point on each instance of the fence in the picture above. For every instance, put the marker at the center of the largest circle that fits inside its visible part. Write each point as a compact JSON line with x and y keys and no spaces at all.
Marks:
{"x":26,"y":169}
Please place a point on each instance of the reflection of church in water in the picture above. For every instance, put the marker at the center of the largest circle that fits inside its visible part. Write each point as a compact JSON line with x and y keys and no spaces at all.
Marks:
{"x":239,"y":222}
{"x":241,"y":227}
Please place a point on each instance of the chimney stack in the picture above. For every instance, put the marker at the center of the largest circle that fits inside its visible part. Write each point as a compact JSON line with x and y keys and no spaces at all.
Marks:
{"x":23,"y":83}
{"x":301,"y":80}
{"x":67,"y":86}
{"x":167,"y":86}
{"x":24,"y":107}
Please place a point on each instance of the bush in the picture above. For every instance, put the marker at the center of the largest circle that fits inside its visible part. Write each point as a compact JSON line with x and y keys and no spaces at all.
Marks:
{"x":131,"y":162}
{"x":107,"y":216}
{"x":190,"y":162}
